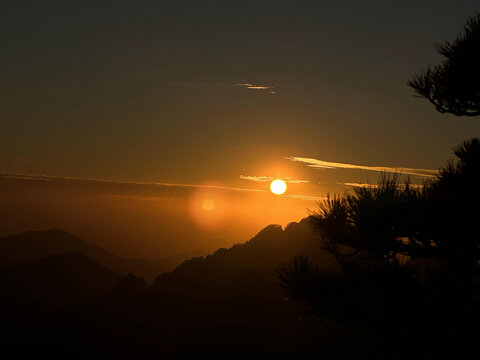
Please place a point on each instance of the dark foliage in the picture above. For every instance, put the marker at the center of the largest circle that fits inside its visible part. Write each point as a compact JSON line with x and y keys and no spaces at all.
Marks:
{"x":383,"y":220}
{"x":358,"y":294}
{"x":409,"y":257}
{"x":454,"y":197}
{"x":453,"y":86}
{"x":405,"y":253}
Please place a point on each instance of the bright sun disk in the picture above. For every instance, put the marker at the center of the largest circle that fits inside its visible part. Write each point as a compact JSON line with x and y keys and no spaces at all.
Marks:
{"x":278,"y":186}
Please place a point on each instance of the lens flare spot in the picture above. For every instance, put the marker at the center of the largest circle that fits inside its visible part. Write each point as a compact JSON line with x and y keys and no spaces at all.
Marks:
{"x":208,"y":205}
{"x":278,"y":186}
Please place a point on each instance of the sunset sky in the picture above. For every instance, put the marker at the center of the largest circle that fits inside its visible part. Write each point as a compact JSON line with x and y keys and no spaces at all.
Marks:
{"x":119,"y":119}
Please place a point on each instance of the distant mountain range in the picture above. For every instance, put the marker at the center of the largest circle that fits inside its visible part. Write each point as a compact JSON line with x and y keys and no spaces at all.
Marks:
{"x":58,"y":268}
{"x":270,"y":247}
{"x":36,"y":245}
{"x":58,"y":289}
{"x":60,"y":280}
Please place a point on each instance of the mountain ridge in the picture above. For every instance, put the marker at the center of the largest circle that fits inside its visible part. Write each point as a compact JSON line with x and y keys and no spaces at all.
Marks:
{"x":31,"y":246}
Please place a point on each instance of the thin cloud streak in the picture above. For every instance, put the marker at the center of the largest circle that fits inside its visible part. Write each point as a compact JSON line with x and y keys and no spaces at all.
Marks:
{"x":35,"y":177}
{"x":271,"y":178}
{"x":208,"y":85}
{"x":163,"y":199}
{"x":304,"y":197}
{"x":350,"y":184}
{"x":321,"y":164}
{"x":251,"y":86}
{"x":53,"y":178}
{"x":365,"y":185}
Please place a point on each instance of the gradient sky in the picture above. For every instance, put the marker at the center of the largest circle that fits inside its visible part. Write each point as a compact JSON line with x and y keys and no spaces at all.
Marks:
{"x":203,"y":92}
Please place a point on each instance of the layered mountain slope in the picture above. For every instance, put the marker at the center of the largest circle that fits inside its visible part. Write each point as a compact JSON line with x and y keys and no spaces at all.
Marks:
{"x":35,"y":245}
{"x":59,"y":280}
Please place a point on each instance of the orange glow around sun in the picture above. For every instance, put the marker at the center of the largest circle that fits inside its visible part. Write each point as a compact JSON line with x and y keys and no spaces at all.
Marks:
{"x":208,"y":204}
{"x":207,"y":207}
{"x":278,"y":186}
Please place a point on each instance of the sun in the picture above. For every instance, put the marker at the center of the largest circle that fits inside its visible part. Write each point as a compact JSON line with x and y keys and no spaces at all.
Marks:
{"x":278,"y":186}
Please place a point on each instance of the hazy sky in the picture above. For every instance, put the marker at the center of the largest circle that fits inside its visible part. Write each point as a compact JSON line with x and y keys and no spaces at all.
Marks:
{"x":203,"y":92}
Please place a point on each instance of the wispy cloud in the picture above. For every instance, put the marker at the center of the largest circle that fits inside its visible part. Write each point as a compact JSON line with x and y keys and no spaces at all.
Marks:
{"x":304,"y":197}
{"x":36,"y":177}
{"x":271,"y":178}
{"x":366,"y":185}
{"x":53,"y":178}
{"x":221,"y":84}
{"x":252,"y":86}
{"x":351,"y":184}
{"x":321,"y":164}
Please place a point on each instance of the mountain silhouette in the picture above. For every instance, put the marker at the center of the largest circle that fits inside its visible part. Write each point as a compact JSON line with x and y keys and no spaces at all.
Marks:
{"x":35,"y":245}
{"x":61,"y":279}
{"x":272,"y":246}
{"x":226,"y":303}
{"x":245,"y":270}
{"x":231,"y":297}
